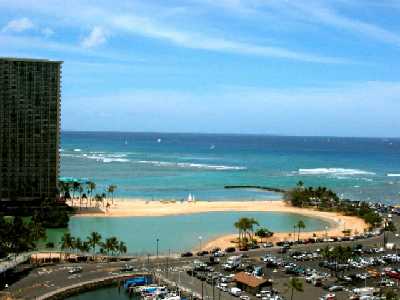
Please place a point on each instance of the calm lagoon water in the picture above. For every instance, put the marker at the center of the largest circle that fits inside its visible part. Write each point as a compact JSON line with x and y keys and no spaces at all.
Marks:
{"x":181,"y":232}
{"x":107,"y":293}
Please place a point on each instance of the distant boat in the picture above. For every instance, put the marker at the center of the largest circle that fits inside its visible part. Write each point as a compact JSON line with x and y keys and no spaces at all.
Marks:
{"x":190,"y":198}
{"x":212,"y":147}
{"x":159,"y":140}
{"x":126,"y":142}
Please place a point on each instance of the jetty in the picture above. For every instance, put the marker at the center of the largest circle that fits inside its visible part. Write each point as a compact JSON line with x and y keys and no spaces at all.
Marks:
{"x":256,"y":187}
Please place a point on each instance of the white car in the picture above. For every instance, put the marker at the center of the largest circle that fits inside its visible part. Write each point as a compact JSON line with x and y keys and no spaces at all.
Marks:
{"x":235,"y":291}
{"x":75,"y":270}
{"x":244,"y":297}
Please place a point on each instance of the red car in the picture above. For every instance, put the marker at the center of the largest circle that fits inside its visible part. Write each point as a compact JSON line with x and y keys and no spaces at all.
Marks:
{"x":393,"y":274}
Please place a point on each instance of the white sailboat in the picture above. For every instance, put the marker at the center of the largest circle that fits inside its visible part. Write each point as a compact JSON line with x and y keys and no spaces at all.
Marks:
{"x":190,"y":198}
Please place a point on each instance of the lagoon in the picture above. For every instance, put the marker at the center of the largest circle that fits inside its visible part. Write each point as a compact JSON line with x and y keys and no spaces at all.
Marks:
{"x":106,"y":293}
{"x":178,"y":233}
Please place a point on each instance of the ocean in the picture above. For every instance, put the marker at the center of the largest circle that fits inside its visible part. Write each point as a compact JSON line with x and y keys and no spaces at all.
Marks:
{"x":170,"y":166}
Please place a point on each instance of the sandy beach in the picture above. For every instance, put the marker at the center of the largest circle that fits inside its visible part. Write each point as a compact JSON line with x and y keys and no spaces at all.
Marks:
{"x":138,"y":207}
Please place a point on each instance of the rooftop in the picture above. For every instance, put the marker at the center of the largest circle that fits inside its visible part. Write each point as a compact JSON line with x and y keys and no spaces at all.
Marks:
{"x":31,"y":60}
{"x":249,"y":280}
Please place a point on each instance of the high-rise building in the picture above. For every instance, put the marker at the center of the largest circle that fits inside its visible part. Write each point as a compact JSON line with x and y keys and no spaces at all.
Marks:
{"x":30,"y":99}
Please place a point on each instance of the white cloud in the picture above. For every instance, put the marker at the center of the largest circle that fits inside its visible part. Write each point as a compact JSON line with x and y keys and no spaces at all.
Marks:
{"x":145,"y":21}
{"x":18,"y":25}
{"x":95,"y":38}
{"x":329,"y":16}
{"x":148,"y":28}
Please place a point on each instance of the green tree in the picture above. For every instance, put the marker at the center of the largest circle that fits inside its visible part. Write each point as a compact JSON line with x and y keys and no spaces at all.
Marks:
{"x":75,"y":188}
{"x":91,"y":188}
{"x":67,"y":242}
{"x":388,"y":227}
{"x":110,"y":245}
{"x":122,"y":249}
{"x":37,"y":230}
{"x":111,"y":190}
{"x":295,"y":284}
{"x":99,"y":199}
{"x":391,"y":295}
{"x":245,"y":227}
{"x":263,"y":233}
{"x":300,"y":225}
{"x":94,"y":239}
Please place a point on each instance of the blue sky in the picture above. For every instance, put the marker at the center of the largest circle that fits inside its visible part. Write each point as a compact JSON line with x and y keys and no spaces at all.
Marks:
{"x":243,"y":66}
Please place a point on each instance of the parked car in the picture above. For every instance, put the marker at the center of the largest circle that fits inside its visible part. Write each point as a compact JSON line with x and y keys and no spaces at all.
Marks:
{"x":235,"y":291}
{"x":187,"y":254}
{"x":336,"y":288}
{"x":230,"y":250}
{"x":75,"y":270}
{"x":126,"y":268}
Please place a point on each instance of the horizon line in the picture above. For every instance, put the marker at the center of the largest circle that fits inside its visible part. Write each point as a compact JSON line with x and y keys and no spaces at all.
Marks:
{"x":230,"y":133}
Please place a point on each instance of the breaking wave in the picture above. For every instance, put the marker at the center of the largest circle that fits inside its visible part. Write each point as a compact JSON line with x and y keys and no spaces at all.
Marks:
{"x":393,"y":175}
{"x":99,"y":156}
{"x":191,"y":165}
{"x":334,"y":172}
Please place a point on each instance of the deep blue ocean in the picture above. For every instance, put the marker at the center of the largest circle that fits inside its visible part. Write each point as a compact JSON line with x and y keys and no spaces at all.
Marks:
{"x":170,"y":166}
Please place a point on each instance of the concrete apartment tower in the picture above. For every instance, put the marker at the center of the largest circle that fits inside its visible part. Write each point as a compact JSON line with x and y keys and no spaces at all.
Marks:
{"x":30,"y":99}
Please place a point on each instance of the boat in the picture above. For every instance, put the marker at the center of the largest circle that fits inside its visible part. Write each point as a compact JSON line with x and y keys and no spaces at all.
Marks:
{"x":172,"y":297}
{"x":136,"y":281}
{"x":152,"y":291}
{"x":159,"y":140}
{"x":190,"y":198}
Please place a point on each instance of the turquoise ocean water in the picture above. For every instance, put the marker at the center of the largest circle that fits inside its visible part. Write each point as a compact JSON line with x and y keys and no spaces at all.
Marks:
{"x":170,"y":166}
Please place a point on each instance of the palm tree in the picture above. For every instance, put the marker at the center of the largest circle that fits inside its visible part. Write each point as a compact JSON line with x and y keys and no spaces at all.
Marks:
{"x":37,"y":230}
{"x":300,"y":225}
{"x":295,"y":284}
{"x":388,"y":227}
{"x":85,"y":247}
{"x":75,"y":188}
{"x":99,"y":200}
{"x":110,"y":190}
{"x":263,"y":233}
{"x":239,"y":226}
{"x":122,"y":248}
{"x":103,"y":197}
{"x":110,"y":245}
{"x":250,"y":226}
{"x":67,"y":241}
{"x":91,"y":187}
{"x":78,"y":244}
{"x":80,"y":190}
{"x":94,"y":239}
{"x":245,"y":227}
{"x":300,"y":184}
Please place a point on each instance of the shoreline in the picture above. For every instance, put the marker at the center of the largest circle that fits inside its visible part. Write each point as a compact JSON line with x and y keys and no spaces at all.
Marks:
{"x":125,"y":207}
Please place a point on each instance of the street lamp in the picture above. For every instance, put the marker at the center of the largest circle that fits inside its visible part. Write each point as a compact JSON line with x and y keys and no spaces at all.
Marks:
{"x":200,"y":238}
{"x":157,"y":240}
